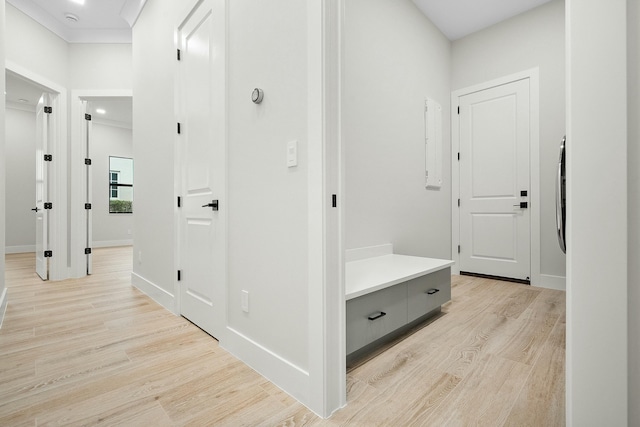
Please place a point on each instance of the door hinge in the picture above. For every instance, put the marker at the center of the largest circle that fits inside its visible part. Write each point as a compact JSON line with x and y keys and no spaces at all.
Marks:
{"x":458,"y":156}
{"x":87,"y":162}
{"x":87,"y":251}
{"x":179,"y":275}
{"x":178,"y":54}
{"x":87,"y":117}
{"x":87,"y":206}
{"x":458,"y":202}
{"x":458,"y":109}
{"x":48,"y":158}
{"x":48,"y":205}
{"x":179,"y":201}
{"x":458,"y":248}
{"x":334,"y":200}
{"x":48,"y":254}
{"x":48,"y":110}
{"x":179,"y":128}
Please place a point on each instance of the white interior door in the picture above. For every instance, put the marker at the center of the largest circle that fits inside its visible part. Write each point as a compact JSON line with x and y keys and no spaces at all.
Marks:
{"x":202,"y":142}
{"x":494,"y":181}
{"x":43,"y":133}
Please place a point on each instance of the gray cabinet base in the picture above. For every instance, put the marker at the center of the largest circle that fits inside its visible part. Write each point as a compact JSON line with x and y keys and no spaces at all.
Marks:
{"x":374,"y":348}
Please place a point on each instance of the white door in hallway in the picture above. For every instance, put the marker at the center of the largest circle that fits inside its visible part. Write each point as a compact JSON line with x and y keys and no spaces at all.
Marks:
{"x":202,"y":157}
{"x":43,"y":135}
{"x":494,"y":181}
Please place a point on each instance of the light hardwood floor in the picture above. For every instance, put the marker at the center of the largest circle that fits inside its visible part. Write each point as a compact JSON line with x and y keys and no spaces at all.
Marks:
{"x":95,"y":351}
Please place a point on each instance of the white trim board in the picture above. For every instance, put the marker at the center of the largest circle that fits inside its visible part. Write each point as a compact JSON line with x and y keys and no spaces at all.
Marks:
{"x":3,"y":305}
{"x":326,"y":296}
{"x":276,"y":369}
{"x":534,"y":162}
{"x":155,"y":292}
{"x":111,"y":243}
{"x":548,"y":281}
{"x":22,"y":249}
{"x":368,"y":252}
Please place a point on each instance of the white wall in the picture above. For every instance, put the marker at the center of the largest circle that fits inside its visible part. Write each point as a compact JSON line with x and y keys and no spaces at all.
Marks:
{"x":153,"y":136}
{"x":20,"y":146}
{"x":532,"y":39}
{"x":633,"y":164}
{"x":3,"y":293}
{"x":268,"y":249}
{"x":597,"y":233}
{"x":395,"y":58}
{"x":35,"y":48}
{"x":108,"y":229}
{"x":267,"y":200}
{"x":100,"y":66}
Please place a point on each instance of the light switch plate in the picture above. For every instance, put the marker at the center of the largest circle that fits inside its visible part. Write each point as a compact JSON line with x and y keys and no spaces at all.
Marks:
{"x":245,"y":301}
{"x":292,"y":154}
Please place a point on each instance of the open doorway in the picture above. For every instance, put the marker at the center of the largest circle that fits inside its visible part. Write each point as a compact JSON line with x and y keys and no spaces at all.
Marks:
{"x":101,"y":126}
{"x":107,"y":144}
{"x":34,"y":201}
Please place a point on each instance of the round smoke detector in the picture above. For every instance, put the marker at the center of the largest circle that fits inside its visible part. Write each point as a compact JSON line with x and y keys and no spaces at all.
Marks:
{"x":71,"y":17}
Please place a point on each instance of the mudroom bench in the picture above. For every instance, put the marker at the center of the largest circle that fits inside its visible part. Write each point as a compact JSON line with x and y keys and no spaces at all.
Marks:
{"x":387,"y":294}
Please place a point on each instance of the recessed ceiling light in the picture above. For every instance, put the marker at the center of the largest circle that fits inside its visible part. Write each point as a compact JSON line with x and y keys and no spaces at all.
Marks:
{"x":71,"y":17}
{"x":80,"y":2}
{"x":23,"y":100}
{"x":100,"y":110}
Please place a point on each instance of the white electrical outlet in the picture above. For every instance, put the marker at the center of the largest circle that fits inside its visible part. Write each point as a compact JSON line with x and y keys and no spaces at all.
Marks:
{"x":129,"y":232}
{"x":292,"y":154}
{"x":139,"y":257}
{"x":244,"y":301}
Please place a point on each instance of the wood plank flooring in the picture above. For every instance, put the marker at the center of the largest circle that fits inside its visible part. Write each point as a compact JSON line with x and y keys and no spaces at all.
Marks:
{"x":95,"y":351}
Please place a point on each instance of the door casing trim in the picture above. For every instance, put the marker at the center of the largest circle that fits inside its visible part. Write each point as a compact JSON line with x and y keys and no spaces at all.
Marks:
{"x":57,"y":188}
{"x":534,"y":164}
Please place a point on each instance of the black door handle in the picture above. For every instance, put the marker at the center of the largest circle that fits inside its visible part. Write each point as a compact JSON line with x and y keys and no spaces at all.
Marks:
{"x":35,"y":209}
{"x":213,"y":205}
{"x":432,"y":291}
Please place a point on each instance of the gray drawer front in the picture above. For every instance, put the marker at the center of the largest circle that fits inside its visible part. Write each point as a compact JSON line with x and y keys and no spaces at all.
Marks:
{"x":362,"y":331}
{"x":420,"y":301}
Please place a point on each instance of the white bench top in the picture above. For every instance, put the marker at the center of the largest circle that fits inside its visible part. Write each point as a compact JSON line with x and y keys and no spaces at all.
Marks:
{"x":368,"y":275}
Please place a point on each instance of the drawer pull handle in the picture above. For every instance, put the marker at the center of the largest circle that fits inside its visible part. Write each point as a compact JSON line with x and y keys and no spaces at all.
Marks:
{"x":432,"y":291}
{"x":377,"y":316}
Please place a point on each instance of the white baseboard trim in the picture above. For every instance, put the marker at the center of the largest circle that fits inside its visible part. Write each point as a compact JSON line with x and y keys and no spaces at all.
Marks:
{"x":284,"y":374}
{"x":112,"y":243}
{"x":19,"y":249}
{"x":155,"y":292}
{"x":548,"y":281}
{"x":3,"y":305}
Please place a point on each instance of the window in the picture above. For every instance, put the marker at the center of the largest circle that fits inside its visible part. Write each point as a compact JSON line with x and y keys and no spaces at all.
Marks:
{"x":120,"y":185}
{"x":113,"y":179}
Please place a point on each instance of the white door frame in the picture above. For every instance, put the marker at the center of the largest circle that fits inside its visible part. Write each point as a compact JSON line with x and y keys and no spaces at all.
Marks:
{"x":58,"y":232}
{"x":78,"y":231}
{"x":534,"y":162}
{"x":327,"y":304}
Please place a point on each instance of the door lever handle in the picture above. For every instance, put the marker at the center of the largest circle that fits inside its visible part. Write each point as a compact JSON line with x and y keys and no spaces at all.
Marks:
{"x":213,"y":205}
{"x":522,"y":205}
{"x":35,"y":209}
